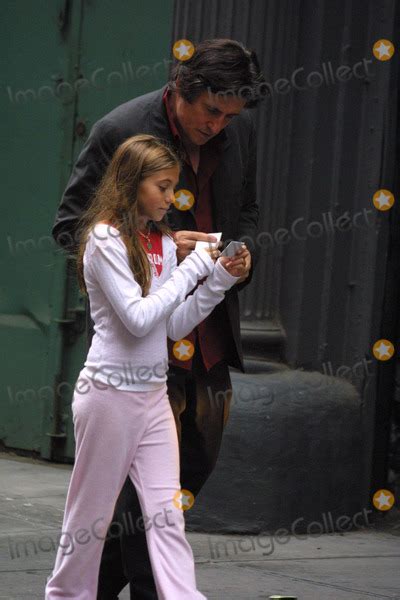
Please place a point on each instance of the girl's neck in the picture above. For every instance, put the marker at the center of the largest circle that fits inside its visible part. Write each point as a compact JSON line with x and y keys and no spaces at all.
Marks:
{"x":143,"y":225}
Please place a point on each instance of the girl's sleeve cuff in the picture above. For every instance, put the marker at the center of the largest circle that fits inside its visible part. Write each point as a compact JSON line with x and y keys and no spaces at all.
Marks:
{"x":223,"y":275}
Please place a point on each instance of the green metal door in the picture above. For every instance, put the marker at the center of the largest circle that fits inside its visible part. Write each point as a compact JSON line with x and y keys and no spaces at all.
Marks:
{"x":66,"y":64}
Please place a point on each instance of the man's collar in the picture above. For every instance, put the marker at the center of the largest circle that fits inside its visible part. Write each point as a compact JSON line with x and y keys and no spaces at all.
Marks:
{"x":171,"y":121}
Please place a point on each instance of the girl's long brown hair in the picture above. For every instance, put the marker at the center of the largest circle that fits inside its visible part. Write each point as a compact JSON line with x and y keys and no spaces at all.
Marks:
{"x":115,"y":201}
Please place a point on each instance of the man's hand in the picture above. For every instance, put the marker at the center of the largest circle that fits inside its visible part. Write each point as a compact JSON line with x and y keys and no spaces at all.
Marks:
{"x":239,"y":265}
{"x":186,"y":241}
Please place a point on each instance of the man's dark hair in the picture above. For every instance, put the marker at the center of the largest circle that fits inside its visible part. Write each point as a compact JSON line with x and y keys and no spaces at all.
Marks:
{"x":220,"y":66}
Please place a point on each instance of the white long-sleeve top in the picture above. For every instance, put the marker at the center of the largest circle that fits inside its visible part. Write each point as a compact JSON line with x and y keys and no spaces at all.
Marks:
{"x":129,"y":347}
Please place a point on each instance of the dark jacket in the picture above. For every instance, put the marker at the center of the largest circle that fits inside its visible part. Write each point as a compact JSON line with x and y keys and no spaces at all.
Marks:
{"x":233,"y":183}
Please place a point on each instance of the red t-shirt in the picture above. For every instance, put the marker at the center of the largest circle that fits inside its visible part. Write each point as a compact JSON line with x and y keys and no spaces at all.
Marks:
{"x":155,"y":253}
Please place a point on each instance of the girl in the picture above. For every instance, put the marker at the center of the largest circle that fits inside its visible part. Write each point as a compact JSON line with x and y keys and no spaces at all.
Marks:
{"x":123,"y":421}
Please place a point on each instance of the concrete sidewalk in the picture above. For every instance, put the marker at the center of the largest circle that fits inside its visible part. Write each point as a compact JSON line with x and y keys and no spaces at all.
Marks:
{"x":350,"y":566}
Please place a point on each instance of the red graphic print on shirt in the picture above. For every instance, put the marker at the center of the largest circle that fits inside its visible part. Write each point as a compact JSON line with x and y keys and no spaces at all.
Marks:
{"x":154,"y":253}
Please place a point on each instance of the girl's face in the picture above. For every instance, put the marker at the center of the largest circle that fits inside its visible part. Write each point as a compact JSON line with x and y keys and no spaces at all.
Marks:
{"x":155,"y":195}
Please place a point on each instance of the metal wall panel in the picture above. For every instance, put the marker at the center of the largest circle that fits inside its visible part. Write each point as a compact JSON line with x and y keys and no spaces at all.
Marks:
{"x":66,"y":64}
{"x":35,"y":145}
{"x":320,"y":151}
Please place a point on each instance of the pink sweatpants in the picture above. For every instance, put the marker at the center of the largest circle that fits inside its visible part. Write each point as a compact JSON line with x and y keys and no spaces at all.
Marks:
{"x":119,"y":432}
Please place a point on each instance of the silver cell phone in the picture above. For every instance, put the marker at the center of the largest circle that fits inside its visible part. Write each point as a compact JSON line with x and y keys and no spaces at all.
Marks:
{"x":232,"y":248}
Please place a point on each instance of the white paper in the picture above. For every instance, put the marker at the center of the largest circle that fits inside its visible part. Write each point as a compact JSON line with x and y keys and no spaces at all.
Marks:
{"x":209,"y":244}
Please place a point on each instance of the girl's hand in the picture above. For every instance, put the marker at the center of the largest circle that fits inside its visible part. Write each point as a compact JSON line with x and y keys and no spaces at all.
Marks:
{"x":186,"y":241}
{"x":238,"y":265}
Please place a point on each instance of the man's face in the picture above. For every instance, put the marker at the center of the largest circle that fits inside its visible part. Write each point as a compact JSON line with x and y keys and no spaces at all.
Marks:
{"x":206,"y":116}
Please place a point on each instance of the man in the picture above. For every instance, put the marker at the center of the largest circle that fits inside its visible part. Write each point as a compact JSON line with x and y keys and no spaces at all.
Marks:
{"x":203,"y":114}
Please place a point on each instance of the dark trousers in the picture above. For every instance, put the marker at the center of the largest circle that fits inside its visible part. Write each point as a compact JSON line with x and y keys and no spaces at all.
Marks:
{"x":200,"y":402}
